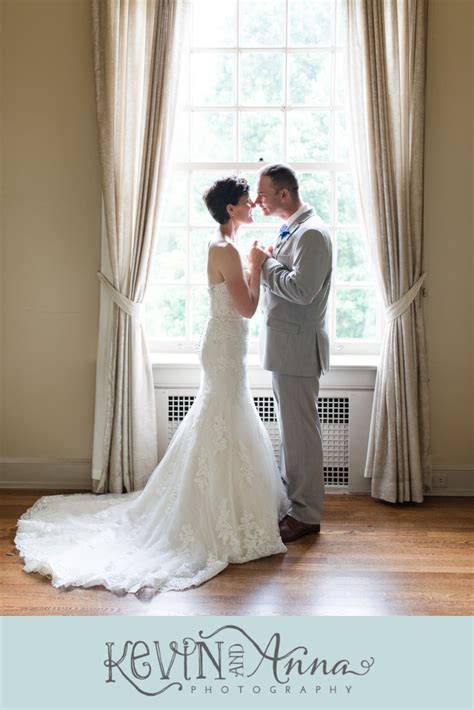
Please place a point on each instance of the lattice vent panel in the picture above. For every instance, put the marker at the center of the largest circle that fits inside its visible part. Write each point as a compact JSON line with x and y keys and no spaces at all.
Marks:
{"x":334,"y":415}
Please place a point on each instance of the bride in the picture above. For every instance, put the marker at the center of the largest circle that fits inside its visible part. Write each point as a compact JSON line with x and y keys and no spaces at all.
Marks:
{"x":216,"y":496}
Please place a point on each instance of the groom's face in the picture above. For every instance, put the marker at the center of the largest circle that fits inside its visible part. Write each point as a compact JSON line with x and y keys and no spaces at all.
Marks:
{"x":268,"y":198}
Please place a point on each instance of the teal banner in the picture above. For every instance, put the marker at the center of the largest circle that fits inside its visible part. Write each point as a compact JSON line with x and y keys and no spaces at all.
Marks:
{"x":237,"y":662}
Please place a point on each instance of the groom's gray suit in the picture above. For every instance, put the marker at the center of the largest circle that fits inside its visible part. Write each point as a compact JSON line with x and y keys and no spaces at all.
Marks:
{"x":295,"y":347}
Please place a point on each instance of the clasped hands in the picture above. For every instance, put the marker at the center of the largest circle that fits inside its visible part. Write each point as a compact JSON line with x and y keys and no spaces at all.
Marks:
{"x":258,"y":254}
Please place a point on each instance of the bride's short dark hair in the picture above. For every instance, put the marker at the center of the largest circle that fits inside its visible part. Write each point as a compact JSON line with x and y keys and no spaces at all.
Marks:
{"x":225,"y":191}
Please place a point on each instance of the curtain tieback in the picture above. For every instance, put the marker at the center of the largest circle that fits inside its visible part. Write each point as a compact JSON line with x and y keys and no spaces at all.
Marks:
{"x":132,"y":308}
{"x":399,"y":307}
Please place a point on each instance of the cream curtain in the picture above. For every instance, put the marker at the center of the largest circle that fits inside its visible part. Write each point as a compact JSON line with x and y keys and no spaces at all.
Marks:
{"x":136,"y":56}
{"x":386,"y":52}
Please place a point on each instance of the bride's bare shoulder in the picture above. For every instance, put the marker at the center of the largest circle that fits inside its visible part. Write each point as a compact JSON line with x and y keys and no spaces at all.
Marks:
{"x":217,"y":239}
{"x":222,"y":248}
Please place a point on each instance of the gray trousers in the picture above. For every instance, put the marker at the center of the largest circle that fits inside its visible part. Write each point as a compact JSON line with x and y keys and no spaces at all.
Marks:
{"x":301,"y":444}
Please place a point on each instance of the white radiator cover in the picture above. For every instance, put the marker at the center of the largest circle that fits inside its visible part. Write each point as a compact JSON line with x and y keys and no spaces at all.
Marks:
{"x":344,"y":415}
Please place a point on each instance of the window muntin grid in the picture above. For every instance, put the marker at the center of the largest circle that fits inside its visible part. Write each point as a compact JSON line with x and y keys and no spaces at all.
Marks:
{"x":182,"y":290}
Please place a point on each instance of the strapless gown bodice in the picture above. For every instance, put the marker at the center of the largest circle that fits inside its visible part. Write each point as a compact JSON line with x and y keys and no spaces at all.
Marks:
{"x":220,"y":303}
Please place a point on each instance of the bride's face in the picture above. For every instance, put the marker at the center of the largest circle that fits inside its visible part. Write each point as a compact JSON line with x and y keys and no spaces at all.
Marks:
{"x":242,"y":212}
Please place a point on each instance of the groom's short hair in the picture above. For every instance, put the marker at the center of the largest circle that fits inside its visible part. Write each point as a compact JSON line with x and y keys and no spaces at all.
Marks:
{"x":281,"y":176}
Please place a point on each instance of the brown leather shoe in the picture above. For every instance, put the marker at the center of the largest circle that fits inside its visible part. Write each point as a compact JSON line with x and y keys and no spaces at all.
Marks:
{"x":292,"y":529}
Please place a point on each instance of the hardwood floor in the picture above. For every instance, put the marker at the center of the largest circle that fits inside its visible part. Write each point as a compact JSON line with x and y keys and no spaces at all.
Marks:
{"x":370,"y":559}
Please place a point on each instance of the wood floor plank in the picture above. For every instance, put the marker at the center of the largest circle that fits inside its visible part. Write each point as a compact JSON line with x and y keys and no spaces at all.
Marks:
{"x":371,"y":558}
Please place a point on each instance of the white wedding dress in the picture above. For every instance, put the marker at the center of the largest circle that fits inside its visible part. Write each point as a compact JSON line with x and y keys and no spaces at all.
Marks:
{"x":214,"y":499}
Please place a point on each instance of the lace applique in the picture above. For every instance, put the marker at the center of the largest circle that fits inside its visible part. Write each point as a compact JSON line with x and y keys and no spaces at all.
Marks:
{"x":202,"y":474}
{"x":172,"y":501}
{"x":256,"y":539}
{"x":43,"y":504}
{"x":225,"y":530}
{"x":164,"y":482}
{"x":212,"y":560}
{"x":245,"y":465}
{"x":221,"y":304}
{"x":220,"y":434}
{"x":186,"y":538}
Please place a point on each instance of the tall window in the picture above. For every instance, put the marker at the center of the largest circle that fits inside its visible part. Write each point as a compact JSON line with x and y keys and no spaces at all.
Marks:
{"x":263,"y":82}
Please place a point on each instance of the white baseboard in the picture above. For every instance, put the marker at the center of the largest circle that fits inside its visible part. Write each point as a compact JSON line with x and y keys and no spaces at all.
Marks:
{"x":46,"y":474}
{"x":458,"y":480}
{"x":75,"y":474}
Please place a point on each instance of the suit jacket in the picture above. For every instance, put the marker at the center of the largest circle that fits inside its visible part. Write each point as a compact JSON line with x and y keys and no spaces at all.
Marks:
{"x":296,"y":282}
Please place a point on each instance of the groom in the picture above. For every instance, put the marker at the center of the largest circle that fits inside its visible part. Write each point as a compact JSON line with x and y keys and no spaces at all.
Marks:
{"x":294,"y":340}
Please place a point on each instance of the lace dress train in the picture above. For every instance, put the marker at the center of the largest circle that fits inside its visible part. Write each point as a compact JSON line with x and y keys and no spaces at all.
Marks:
{"x":214,"y":499}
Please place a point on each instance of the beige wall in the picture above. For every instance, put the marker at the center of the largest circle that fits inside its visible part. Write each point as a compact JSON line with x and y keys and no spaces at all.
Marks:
{"x":2,"y":232}
{"x":51,"y":229}
{"x":449,"y":233}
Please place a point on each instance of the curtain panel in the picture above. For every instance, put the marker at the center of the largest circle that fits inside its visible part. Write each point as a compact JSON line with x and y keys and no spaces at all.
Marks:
{"x":386,"y":62}
{"x":136,"y":64}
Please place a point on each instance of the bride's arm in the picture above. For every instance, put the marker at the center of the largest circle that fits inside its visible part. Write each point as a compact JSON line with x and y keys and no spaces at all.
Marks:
{"x":244,"y":293}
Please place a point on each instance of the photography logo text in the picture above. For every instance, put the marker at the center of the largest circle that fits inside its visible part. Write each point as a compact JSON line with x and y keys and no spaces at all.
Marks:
{"x":229,"y":661}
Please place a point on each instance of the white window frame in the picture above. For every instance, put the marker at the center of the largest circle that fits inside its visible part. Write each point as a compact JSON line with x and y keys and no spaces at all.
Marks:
{"x":338,"y":346}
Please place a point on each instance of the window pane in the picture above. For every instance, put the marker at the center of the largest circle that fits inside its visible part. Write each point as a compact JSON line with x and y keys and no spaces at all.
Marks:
{"x":309,"y":79}
{"x":315,"y":189}
{"x":199,"y":309}
{"x":260,"y":219}
{"x":213,"y":79}
{"x":356,"y":313}
{"x":176,"y":201}
{"x":254,"y":322}
{"x":340,"y":80}
{"x":262,"y":23}
{"x":310,"y":23}
{"x":330,"y":319}
{"x":180,"y":147}
{"x":165,"y":312}
{"x":213,"y":136}
{"x":353,"y":263}
{"x":199,"y":241}
{"x":201,"y":181}
{"x":341,"y":137}
{"x":308,"y":136}
{"x":247,"y":235}
{"x":215,"y":23}
{"x":261,"y":78}
{"x":346,"y":202}
{"x":339,"y":24}
{"x":261,"y":136}
{"x":169,"y":259}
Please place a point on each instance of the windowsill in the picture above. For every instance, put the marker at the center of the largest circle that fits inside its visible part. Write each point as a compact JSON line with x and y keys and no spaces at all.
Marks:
{"x":191,"y":360}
